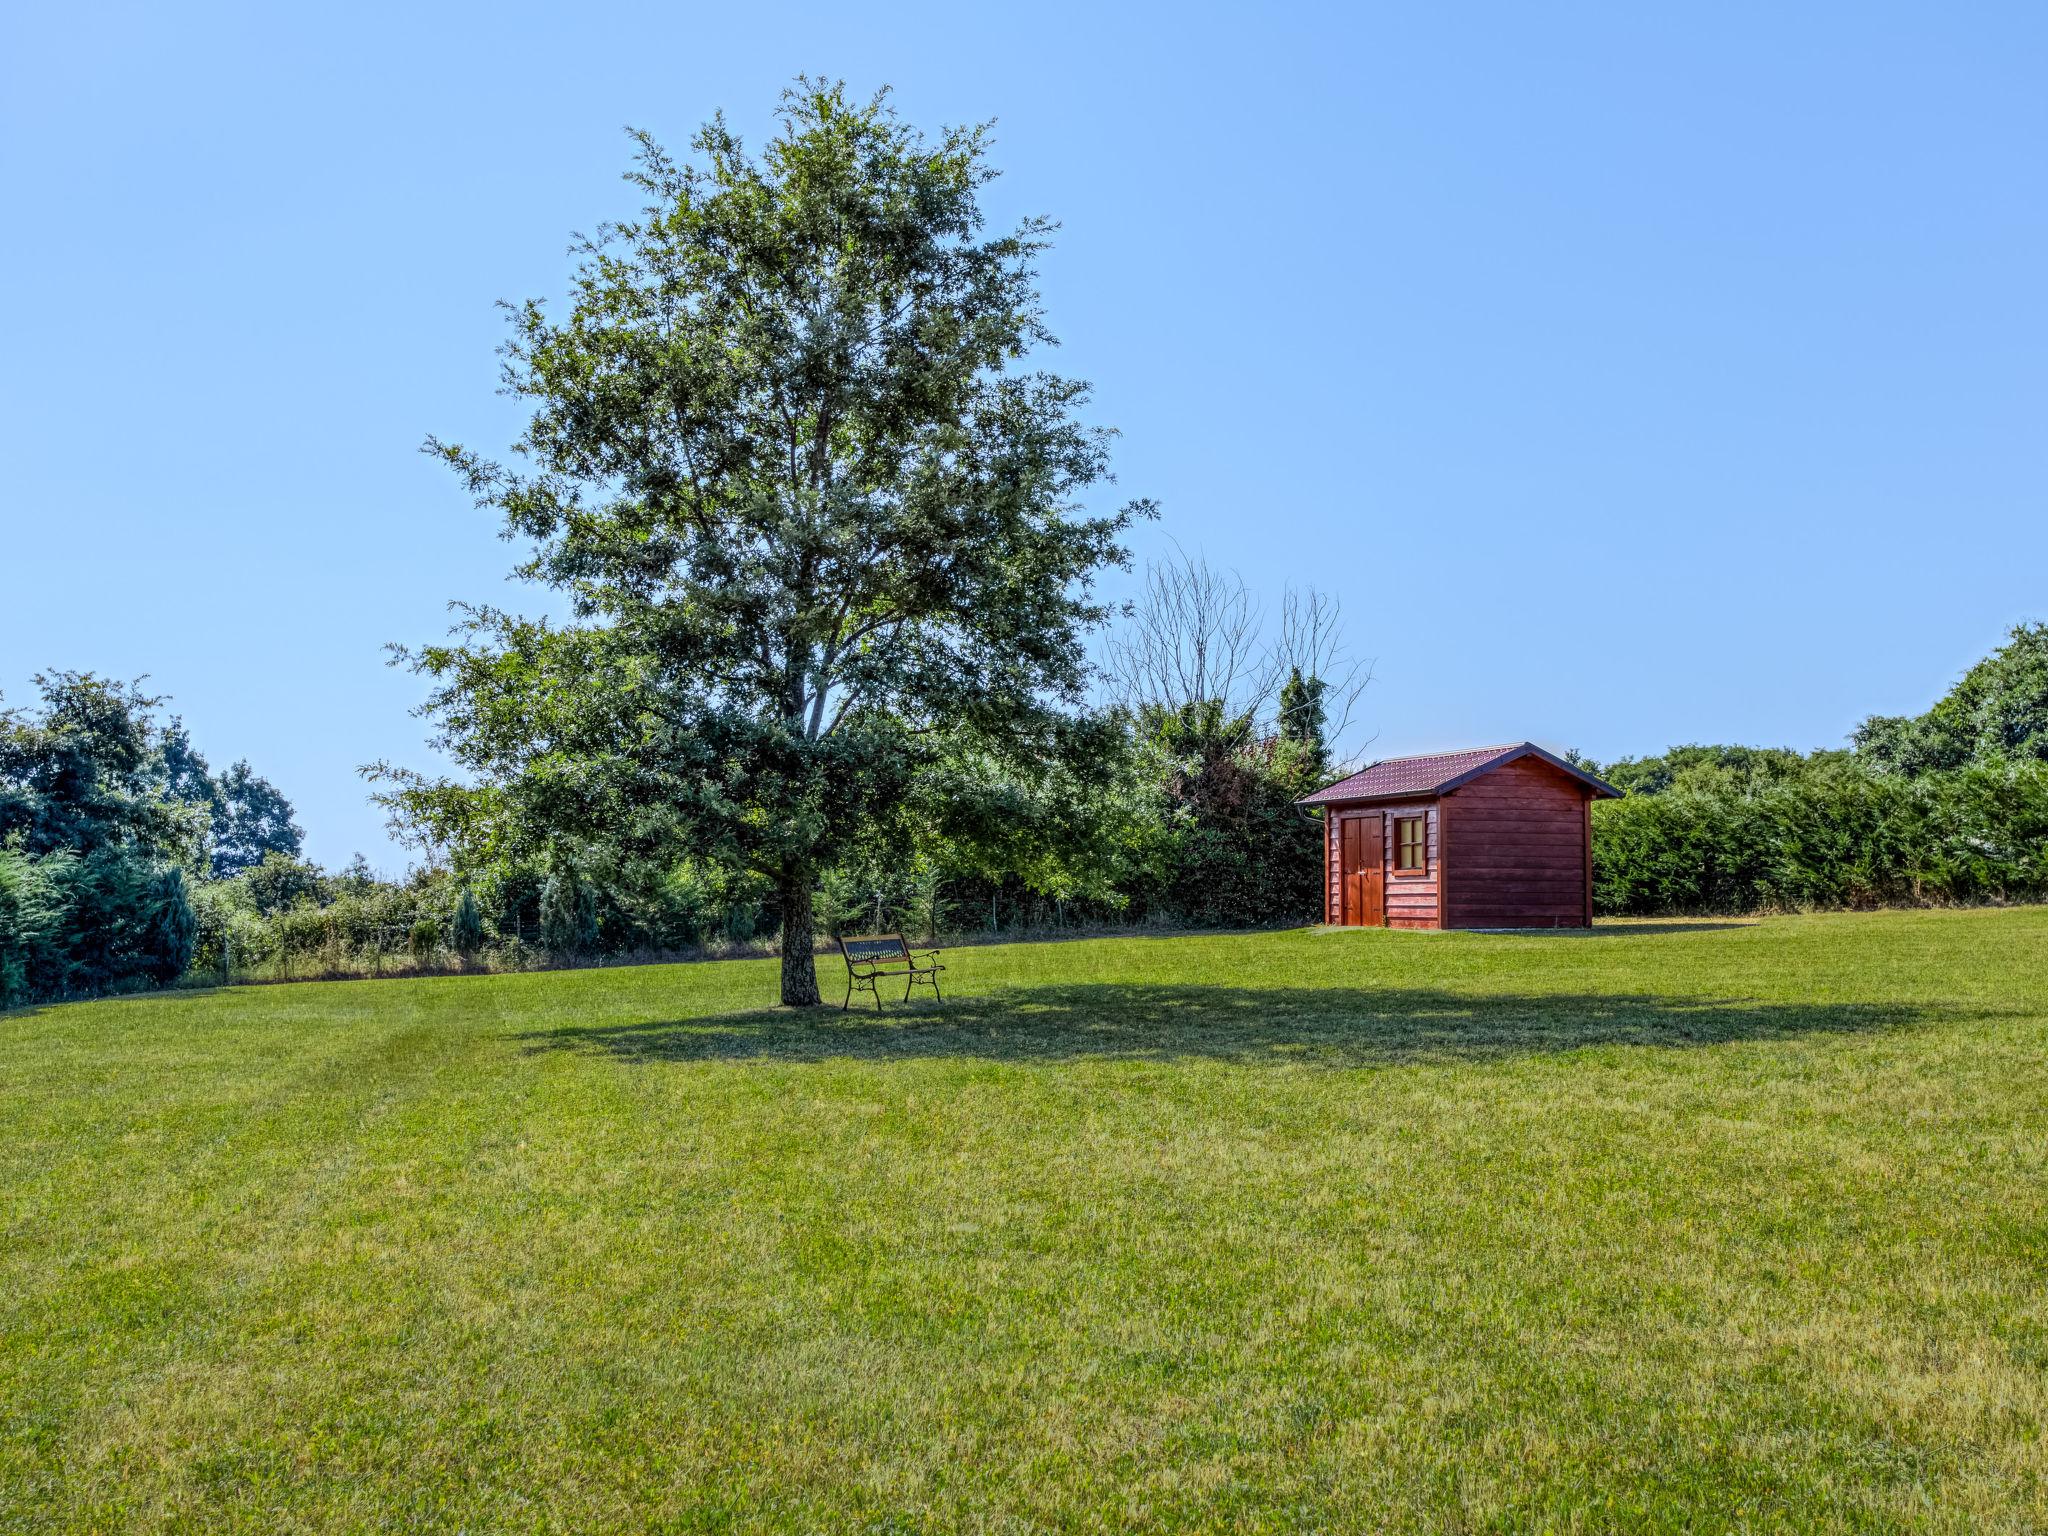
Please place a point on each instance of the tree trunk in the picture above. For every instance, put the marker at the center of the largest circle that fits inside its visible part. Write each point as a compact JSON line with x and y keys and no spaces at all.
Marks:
{"x":799,"y":966}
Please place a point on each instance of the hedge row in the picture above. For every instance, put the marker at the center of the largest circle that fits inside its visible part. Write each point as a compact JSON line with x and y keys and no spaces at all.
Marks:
{"x":1848,"y":837}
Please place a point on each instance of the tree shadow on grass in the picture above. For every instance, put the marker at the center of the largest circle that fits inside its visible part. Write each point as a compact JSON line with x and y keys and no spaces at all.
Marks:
{"x":1620,"y":929}
{"x":1329,"y":1026}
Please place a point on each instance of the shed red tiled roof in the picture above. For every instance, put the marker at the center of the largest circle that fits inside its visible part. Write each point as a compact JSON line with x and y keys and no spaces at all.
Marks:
{"x":1434,"y":773}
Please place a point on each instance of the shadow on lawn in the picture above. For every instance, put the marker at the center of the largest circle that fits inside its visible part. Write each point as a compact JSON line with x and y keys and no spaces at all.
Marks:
{"x":1319,"y":1026}
{"x":1622,"y":929}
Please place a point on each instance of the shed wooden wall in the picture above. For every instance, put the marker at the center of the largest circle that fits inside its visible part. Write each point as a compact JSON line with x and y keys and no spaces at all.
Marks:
{"x":1411,"y":899}
{"x":1333,"y":870}
{"x":1518,"y":849}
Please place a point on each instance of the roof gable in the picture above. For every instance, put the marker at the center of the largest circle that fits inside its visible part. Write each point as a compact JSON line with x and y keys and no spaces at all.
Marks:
{"x":1438,"y":773}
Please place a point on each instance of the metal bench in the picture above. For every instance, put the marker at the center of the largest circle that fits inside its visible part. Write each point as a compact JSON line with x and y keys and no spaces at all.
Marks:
{"x":872,"y":956}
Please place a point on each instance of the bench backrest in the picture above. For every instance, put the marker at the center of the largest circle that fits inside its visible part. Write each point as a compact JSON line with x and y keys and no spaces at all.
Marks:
{"x":873,"y":947}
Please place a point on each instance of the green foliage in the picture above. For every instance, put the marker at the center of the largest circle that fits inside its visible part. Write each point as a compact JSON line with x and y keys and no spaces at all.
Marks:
{"x":558,"y":925}
{"x":281,"y":882}
{"x":1245,"y":853}
{"x":1085,"y":824}
{"x":1951,"y":805}
{"x":1304,"y":719}
{"x":466,"y":929}
{"x":694,"y":902}
{"x":103,"y":814}
{"x":92,"y":897}
{"x":72,"y":925}
{"x":247,"y":817}
{"x":230,"y":933}
{"x":287,"y":918}
{"x":1835,"y":835}
{"x":1111,"y":824}
{"x":1998,"y":711}
{"x":1710,"y":767}
{"x":83,"y":773}
{"x":32,"y":911}
{"x":252,"y":822}
{"x":169,"y":928}
{"x":183,"y":772}
{"x":850,"y":900}
{"x":926,"y":910}
{"x":568,"y":912}
{"x":810,"y":512}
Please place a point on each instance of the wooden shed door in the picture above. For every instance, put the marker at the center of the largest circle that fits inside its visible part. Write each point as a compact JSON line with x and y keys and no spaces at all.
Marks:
{"x":1364,"y":873}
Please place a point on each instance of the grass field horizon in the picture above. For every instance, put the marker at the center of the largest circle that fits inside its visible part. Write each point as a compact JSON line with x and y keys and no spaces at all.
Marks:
{"x":1694,"y":1225}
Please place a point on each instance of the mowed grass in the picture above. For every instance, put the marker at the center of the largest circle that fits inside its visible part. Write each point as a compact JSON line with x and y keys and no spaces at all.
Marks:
{"x":1673,"y":1227}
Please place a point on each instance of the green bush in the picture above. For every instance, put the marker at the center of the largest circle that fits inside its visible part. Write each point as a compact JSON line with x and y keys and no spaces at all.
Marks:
{"x":169,"y":929}
{"x":230,"y":933}
{"x":1839,"y":835}
{"x":282,"y":882}
{"x":1244,"y":853}
{"x":72,"y":925}
{"x":31,"y":921}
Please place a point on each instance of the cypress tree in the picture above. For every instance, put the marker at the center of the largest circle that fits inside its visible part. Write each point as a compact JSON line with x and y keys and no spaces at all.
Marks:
{"x":466,"y":929}
{"x":1303,"y":719}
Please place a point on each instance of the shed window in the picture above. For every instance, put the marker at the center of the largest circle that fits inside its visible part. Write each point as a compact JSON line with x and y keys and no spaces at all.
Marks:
{"x":1411,"y":844}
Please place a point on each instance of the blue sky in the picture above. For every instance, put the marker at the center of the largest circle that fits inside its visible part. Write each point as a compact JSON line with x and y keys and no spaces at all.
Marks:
{"x":1635,"y":375}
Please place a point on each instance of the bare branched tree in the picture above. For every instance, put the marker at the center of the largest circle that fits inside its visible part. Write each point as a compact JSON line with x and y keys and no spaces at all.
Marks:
{"x":1312,"y":641}
{"x":1192,"y":636}
{"x":1197,"y":634}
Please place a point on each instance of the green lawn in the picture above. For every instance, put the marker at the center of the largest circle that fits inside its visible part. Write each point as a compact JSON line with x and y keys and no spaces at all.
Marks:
{"x":1672,"y":1227}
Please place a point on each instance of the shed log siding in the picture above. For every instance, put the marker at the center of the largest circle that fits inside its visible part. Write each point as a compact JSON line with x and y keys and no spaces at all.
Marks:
{"x":1411,"y":898}
{"x":1521,"y":849}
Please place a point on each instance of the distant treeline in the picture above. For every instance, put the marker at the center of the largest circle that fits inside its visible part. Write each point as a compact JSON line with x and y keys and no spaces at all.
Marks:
{"x":1949,"y":806}
{"x":126,"y":862}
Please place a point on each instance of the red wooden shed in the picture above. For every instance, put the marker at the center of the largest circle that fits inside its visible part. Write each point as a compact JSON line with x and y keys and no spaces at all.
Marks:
{"x":1497,"y":837}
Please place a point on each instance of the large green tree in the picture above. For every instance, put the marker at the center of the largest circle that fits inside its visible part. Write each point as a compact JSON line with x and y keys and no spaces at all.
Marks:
{"x":1997,"y":712}
{"x":91,"y":893}
{"x":85,"y":772}
{"x":250,"y":818}
{"x":812,"y":502}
